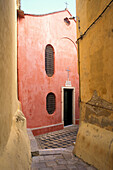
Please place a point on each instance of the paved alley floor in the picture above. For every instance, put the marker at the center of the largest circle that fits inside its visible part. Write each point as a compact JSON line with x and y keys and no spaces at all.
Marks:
{"x":58,"y":139}
{"x":54,"y":151}
{"x":63,"y":160}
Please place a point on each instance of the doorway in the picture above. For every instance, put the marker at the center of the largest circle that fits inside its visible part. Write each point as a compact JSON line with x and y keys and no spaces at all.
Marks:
{"x":68,"y":105}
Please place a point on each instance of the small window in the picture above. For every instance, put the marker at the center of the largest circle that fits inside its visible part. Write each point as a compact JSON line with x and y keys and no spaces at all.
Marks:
{"x":50,"y":103}
{"x":49,"y":60}
{"x":66,"y":20}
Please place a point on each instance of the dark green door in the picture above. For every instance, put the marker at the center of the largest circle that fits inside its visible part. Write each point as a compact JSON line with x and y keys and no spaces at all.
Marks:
{"x":67,"y":107}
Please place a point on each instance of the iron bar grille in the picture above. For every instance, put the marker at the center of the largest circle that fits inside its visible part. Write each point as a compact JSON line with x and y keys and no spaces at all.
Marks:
{"x":50,"y":103}
{"x":49,"y":60}
{"x":66,"y":20}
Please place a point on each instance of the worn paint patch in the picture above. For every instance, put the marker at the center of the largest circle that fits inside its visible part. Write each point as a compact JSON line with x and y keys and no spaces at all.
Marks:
{"x":99,"y":102}
{"x":99,"y":112}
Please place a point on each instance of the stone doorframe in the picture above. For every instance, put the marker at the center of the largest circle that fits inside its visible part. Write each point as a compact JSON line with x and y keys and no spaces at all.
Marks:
{"x":73,"y":103}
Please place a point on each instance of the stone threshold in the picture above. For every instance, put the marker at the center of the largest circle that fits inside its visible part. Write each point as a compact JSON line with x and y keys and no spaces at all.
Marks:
{"x":43,"y":152}
{"x":35,"y":151}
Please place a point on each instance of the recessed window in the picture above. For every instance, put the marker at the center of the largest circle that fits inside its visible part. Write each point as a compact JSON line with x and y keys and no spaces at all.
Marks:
{"x":49,"y":60}
{"x":50,"y":103}
{"x":66,"y":20}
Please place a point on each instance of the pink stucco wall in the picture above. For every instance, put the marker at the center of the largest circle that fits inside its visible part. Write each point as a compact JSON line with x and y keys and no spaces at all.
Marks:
{"x":34,"y":33}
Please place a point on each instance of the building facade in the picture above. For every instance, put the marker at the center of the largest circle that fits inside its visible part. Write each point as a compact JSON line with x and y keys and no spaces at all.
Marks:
{"x":94,"y":142}
{"x":48,"y":81}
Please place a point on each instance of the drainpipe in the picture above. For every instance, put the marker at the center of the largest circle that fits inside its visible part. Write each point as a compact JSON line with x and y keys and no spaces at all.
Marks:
{"x":79,"y":72}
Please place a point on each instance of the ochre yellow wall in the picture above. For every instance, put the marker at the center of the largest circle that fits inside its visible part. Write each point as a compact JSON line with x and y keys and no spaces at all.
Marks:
{"x":96,"y":84}
{"x":18,"y":2}
{"x":14,"y":143}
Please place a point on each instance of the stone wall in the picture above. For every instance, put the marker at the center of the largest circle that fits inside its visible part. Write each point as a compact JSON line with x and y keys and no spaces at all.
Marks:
{"x":95,"y":40}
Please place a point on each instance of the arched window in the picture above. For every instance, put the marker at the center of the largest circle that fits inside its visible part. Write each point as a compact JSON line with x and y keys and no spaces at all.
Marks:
{"x":50,"y":103}
{"x":49,"y":60}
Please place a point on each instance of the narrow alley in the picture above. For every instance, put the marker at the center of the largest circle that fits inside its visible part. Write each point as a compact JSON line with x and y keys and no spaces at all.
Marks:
{"x":52,"y":151}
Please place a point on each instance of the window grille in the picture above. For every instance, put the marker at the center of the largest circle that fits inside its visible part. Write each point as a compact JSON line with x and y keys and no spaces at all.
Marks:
{"x":49,"y":60}
{"x":66,"y":20}
{"x":50,"y":103}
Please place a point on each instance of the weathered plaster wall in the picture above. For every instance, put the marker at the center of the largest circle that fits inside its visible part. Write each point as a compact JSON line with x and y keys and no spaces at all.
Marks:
{"x":13,"y":136}
{"x":18,"y":2}
{"x":96,"y":84}
{"x":34,"y":33}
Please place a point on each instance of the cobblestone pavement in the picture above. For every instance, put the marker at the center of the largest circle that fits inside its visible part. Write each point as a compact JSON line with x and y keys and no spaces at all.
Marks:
{"x":59,"y":161}
{"x":56,"y":158}
{"x":58,"y":139}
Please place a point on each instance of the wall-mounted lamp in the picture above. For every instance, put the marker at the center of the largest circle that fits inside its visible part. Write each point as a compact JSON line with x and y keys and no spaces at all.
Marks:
{"x":75,"y":18}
